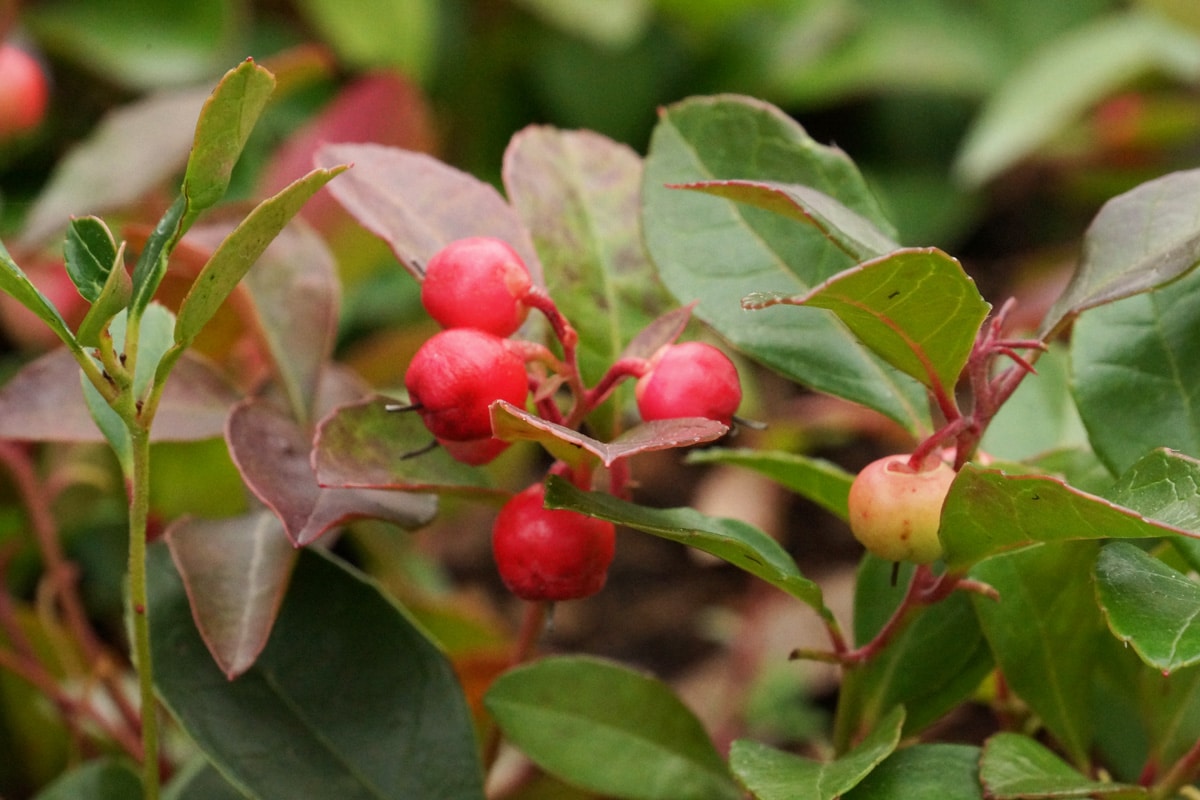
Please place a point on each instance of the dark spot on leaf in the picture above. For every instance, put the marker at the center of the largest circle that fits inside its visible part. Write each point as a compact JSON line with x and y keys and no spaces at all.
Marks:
{"x":894,"y":295}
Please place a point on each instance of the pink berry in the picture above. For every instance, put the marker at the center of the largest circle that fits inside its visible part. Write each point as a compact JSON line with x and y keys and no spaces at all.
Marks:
{"x":456,"y":375}
{"x":24,"y":91}
{"x":479,"y":283}
{"x":692,"y":379}
{"x":895,"y":510}
{"x":545,"y":555}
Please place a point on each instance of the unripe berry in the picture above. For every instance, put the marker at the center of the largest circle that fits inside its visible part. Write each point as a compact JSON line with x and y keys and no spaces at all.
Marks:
{"x":545,"y":554}
{"x":895,"y":511}
{"x":478,"y":282}
{"x":456,"y":374}
{"x":692,"y":379}
{"x":24,"y":91}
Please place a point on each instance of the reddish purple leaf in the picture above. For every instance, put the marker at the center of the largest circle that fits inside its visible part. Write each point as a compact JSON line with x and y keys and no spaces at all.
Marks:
{"x":662,"y":331}
{"x":273,"y":454}
{"x":513,"y":424}
{"x":235,"y":571}
{"x":44,"y":402}
{"x":417,"y":204}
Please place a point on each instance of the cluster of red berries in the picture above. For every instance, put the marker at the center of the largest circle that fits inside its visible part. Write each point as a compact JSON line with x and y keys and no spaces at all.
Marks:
{"x":480,"y":291}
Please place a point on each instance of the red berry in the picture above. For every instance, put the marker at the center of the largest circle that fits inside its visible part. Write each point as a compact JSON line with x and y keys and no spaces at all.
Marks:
{"x":895,"y":510}
{"x":477,"y":283}
{"x":24,"y":91}
{"x":692,"y":379}
{"x":545,"y":554}
{"x":475,"y":452}
{"x":456,"y":375}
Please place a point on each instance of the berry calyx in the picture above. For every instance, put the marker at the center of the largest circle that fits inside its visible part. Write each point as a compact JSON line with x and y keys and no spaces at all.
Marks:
{"x":479,"y":282}
{"x":895,"y":510}
{"x":691,"y":379}
{"x":548,"y":555}
{"x":456,"y":375}
{"x":24,"y":91}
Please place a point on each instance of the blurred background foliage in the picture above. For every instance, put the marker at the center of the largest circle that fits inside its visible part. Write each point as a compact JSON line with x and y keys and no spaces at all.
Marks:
{"x":991,"y":128}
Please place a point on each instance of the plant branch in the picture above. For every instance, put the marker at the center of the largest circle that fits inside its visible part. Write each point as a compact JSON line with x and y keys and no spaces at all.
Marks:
{"x":139,"y":512}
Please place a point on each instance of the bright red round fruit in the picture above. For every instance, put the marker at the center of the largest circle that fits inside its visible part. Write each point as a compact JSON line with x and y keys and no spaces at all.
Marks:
{"x":478,"y":282}
{"x":456,"y":374}
{"x":895,"y":510}
{"x":545,"y":555}
{"x":692,"y":379}
{"x":24,"y":91}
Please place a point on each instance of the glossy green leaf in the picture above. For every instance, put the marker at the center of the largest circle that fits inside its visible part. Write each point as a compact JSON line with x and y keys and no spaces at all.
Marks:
{"x":15,"y":283}
{"x":1165,"y":486}
{"x":989,"y":512}
{"x":225,"y":123}
{"x":200,"y":781}
{"x":378,"y":34}
{"x":1149,"y":605}
{"x":1136,"y":381}
{"x":347,"y":700}
{"x":579,"y":194}
{"x":931,"y":667}
{"x":1044,"y":631}
{"x":944,"y":771}
{"x":772,"y":774}
{"x":821,"y":481}
{"x":737,"y":542}
{"x":104,"y":779}
{"x":513,"y":424}
{"x":860,"y":238}
{"x":1066,"y":77}
{"x":235,"y":571}
{"x":112,"y":300}
{"x":615,"y":24}
{"x":191,"y":42}
{"x":241,"y":249}
{"x":365,"y":445}
{"x":152,"y":262}
{"x":89,"y":255}
{"x":609,"y":729}
{"x":716,"y":251}
{"x":1139,"y":240}
{"x":917,"y":309}
{"x":1016,"y":767}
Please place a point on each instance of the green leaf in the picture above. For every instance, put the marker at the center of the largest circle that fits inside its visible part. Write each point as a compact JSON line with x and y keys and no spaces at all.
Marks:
{"x":90,"y":254}
{"x":737,"y":542}
{"x":152,"y":263}
{"x":917,"y":309}
{"x":191,"y":41}
{"x":1066,"y":77}
{"x":1149,"y":605}
{"x":615,"y":24}
{"x":347,"y":700}
{"x":716,"y":251}
{"x":112,"y":300}
{"x":1137,"y":384}
{"x":103,"y":779}
{"x":772,"y":774}
{"x":199,"y":781}
{"x":608,"y":729}
{"x":240,"y":250}
{"x":1139,"y":240}
{"x":1040,"y":418}
{"x":364,"y":445}
{"x":235,"y":570}
{"x":225,"y":123}
{"x":514,"y":424}
{"x":821,"y":481}
{"x":944,"y":771}
{"x":16,"y":284}
{"x":378,"y":34}
{"x":579,"y":194}
{"x":860,"y":238}
{"x":988,"y":512}
{"x":1015,"y":767}
{"x":931,"y":667}
{"x":1044,"y":633}
{"x":1165,"y":486}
